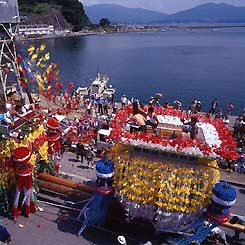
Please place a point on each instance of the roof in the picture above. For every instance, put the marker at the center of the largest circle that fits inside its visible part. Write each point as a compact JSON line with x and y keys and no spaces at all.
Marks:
{"x":9,"y":11}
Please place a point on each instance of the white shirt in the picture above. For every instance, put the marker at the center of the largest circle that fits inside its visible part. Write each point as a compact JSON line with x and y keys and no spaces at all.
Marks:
{"x":9,"y":106}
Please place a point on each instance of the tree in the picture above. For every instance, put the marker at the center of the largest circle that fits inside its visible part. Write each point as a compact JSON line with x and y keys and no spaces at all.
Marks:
{"x":72,"y":10}
{"x":104,"y":22}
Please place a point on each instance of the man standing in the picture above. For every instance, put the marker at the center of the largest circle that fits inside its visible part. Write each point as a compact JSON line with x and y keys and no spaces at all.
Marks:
{"x":100,"y":105}
{"x":214,"y":106}
{"x":124,"y":101}
{"x":229,"y":108}
{"x":80,"y":151}
{"x":105,"y":105}
{"x":24,"y":183}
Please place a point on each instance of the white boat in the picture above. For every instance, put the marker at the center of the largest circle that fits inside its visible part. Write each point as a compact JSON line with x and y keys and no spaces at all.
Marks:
{"x":100,"y":87}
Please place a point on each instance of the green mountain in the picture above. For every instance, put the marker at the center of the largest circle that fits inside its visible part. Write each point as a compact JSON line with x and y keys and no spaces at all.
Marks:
{"x":210,"y":12}
{"x":120,"y":14}
{"x":205,"y":13}
{"x":71,"y":10}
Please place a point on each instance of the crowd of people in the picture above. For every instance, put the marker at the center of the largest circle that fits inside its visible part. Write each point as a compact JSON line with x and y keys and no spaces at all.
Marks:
{"x":94,"y":112}
{"x":92,"y":104}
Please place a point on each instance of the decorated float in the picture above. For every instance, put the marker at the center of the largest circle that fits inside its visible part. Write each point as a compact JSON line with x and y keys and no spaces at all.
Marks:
{"x":30,"y":136}
{"x":171,"y":181}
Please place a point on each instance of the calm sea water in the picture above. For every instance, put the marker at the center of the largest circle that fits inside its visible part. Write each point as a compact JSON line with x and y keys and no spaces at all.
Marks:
{"x":182,"y":65}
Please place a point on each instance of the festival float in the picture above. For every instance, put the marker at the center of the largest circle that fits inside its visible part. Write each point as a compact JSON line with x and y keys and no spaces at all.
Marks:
{"x":29,"y":137}
{"x":173,"y":183}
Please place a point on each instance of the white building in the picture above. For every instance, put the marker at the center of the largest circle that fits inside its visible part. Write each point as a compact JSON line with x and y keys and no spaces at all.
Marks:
{"x":38,"y":29}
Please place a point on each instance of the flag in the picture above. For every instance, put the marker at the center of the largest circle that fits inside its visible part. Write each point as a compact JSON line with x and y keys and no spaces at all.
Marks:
{"x":31,"y":49}
{"x":70,"y":86}
{"x":42,"y":47}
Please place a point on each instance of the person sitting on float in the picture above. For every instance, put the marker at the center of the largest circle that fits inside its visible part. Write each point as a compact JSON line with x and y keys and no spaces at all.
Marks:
{"x":191,"y":127}
{"x":177,"y":105}
{"x":10,"y":100}
{"x":152,"y":119}
{"x":138,"y":119}
{"x":165,"y":105}
{"x":8,"y":117}
{"x":27,"y":107}
{"x":198,"y":106}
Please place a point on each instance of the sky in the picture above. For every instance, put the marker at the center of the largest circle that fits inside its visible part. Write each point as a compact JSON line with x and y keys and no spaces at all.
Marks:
{"x":165,"y":6}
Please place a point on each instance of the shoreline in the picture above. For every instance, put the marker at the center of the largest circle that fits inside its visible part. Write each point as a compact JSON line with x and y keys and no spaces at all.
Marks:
{"x":163,"y":28}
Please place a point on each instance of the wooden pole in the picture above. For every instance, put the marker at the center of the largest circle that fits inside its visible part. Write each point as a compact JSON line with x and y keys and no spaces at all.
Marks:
{"x":42,"y":184}
{"x":67,"y":183}
{"x":235,"y":227}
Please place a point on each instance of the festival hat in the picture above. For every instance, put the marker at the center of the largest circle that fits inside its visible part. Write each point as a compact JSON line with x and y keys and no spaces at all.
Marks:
{"x":104,"y":169}
{"x":53,"y":123}
{"x":22,"y":154}
{"x":224,"y":195}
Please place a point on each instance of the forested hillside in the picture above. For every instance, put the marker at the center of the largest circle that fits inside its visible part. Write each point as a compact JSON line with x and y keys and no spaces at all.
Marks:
{"x":72,"y":10}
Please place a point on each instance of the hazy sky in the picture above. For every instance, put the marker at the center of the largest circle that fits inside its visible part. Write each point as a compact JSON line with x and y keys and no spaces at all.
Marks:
{"x":167,"y":6}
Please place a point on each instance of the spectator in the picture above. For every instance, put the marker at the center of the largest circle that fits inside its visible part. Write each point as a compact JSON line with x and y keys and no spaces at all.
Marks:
{"x":226,"y":120}
{"x":198,"y":106}
{"x":214,"y":106}
{"x":89,"y":108}
{"x":219,"y":114}
{"x":90,"y":157}
{"x":229,"y":108}
{"x":115,"y":105}
{"x":105,"y":105}
{"x":124,"y":101}
{"x":100,"y":105}
{"x":80,"y":151}
{"x":193,"y":106}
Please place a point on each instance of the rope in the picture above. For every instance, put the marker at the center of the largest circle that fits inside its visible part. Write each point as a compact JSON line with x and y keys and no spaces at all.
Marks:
{"x":199,"y":236}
